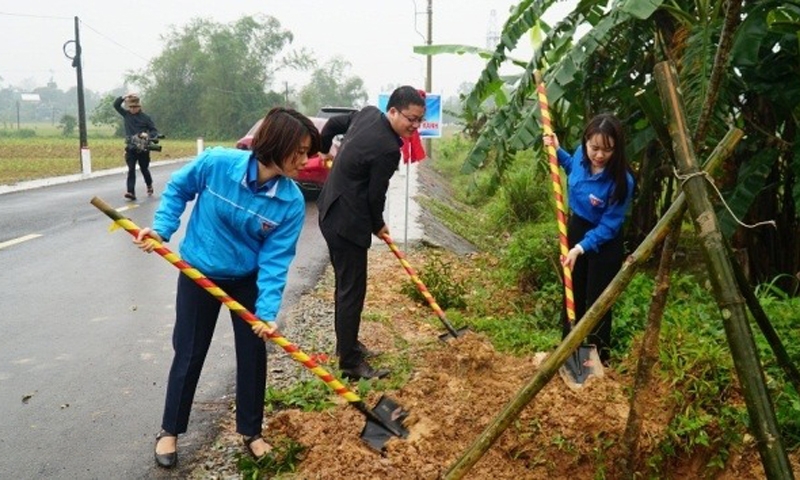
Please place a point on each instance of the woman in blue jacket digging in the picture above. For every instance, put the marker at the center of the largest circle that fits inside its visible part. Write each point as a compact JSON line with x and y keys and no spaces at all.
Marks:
{"x":600,"y":188}
{"x":242,"y":234}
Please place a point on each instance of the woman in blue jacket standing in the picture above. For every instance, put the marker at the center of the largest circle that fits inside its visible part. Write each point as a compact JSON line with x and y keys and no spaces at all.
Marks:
{"x":600,"y":188}
{"x":242,"y":234}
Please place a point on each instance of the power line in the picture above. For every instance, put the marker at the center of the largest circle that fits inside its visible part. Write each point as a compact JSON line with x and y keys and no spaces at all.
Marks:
{"x":50,"y":17}
{"x":113,"y":41}
{"x":104,"y":36}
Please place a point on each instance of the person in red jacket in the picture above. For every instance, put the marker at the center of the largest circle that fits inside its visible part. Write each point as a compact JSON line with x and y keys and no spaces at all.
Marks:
{"x":412,"y":149}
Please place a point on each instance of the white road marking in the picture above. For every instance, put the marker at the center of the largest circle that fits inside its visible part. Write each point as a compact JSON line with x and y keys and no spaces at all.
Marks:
{"x":21,"y":239}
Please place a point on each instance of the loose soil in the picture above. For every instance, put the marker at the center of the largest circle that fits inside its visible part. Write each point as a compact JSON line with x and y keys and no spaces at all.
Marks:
{"x":453,"y":390}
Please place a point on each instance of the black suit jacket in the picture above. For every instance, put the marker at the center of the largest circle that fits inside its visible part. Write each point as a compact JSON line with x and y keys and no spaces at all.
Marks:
{"x":351,"y":202}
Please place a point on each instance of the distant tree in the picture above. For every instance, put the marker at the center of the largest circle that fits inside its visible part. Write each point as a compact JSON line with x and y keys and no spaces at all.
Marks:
{"x":213,"y":80}
{"x":330,"y":86}
{"x":104,"y":114}
{"x":67,"y":125}
{"x":451,"y":110}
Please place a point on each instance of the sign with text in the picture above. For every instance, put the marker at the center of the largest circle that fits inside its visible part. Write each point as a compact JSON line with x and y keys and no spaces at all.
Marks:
{"x":432,"y":126}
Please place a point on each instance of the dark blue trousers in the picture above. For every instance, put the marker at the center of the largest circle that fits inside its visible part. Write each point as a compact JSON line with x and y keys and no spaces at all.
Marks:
{"x":196,"y":317}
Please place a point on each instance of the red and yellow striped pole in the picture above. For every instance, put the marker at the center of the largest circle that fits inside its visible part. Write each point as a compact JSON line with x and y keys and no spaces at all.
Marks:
{"x":421,"y":286}
{"x":561,"y":211}
{"x":232,"y":304}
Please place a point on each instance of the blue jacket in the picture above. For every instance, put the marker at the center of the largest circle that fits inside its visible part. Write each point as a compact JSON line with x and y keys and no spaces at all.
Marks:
{"x":233,"y":231}
{"x":590,"y":199}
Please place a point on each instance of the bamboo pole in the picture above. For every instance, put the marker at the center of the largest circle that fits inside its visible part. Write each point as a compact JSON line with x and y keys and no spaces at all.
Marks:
{"x":732,"y":306}
{"x":762,"y":320}
{"x":592,"y":316}
{"x":648,"y":355}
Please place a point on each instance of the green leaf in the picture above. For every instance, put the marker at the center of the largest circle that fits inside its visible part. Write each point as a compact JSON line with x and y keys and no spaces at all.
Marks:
{"x":784,"y":19}
{"x":641,"y":9}
{"x":794,"y":165}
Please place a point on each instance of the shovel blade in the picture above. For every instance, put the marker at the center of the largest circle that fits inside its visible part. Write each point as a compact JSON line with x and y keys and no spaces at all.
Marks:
{"x":389,"y":423}
{"x":583,"y":364}
{"x":447,"y":336}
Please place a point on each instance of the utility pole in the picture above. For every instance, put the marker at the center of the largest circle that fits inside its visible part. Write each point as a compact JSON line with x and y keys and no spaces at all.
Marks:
{"x":75,"y":56}
{"x":492,"y":34}
{"x":429,"y":70}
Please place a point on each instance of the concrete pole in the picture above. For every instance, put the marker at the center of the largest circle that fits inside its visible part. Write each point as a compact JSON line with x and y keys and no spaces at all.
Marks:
{"x":429,"y":71}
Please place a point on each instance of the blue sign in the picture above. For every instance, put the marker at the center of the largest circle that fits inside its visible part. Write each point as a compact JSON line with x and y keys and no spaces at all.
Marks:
{"x":432,"y":126}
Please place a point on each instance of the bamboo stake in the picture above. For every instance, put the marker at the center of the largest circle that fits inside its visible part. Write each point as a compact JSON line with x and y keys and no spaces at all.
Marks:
{"x":762,"y":320}
{"x":648,"y":355}
{"x":582,"y":329}
{"x":732,"y":306}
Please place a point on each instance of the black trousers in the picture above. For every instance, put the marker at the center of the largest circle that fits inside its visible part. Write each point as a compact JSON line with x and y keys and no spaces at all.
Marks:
{"x":350,"y":268}
{"x":592,"y":273}
{"x":196,"y":317}
{"x":143,"y":159}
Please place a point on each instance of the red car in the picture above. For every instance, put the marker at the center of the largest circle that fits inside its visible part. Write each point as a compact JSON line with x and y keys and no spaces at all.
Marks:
{"x":313,"y":176}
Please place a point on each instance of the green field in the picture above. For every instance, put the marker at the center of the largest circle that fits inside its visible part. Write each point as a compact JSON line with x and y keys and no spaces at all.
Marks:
{"x":49,"y":154}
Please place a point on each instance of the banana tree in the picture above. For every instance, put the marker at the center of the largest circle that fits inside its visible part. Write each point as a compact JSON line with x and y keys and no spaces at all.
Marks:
{"x":582,"y":77}
{"x":609,"y":68}
{"x":763,"y":181}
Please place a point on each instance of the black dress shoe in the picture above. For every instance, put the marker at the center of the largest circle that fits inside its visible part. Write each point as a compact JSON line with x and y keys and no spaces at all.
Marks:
{"x":364,"y":370}
{"x":365,"y":352}
{"x":165,"y":460}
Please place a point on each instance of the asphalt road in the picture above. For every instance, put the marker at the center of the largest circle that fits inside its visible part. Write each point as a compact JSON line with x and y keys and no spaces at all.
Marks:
{"x":85,"y":335}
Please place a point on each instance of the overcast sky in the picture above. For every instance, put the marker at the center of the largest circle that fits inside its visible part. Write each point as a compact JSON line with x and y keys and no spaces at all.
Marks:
{"x":375,"y":36}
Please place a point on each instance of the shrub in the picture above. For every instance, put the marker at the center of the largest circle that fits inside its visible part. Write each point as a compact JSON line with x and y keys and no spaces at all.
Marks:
{"x":67,"y":125}
{"x":525,"y":194}
{"x":533,"y":256}
{"x":18,"y":133}
{"x":438,"y":278}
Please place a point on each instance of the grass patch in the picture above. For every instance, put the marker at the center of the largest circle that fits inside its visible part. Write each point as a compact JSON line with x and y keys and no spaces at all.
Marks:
{"x":466,"y":222}
{"x":520,"y":334}
{"x":284,"y":458}
{"x":308,"y":396}
{"x":38,"y":156}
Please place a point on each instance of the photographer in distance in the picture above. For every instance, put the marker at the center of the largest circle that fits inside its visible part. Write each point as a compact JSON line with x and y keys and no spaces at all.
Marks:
{"x":141,"y":137}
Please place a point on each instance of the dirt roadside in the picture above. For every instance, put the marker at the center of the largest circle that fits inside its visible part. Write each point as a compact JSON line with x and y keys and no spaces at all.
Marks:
{"x":453,"y":391}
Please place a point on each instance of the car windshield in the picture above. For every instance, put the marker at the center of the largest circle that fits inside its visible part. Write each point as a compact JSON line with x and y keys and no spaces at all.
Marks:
{"x":327,"y":112}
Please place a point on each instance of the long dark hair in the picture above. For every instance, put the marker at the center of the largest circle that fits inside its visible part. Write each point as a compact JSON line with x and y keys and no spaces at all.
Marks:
{"x":280,"y":135}
{"x":610,"y":128}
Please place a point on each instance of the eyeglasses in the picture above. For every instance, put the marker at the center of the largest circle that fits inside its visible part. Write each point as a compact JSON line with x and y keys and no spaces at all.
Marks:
{"x":412,"y":120}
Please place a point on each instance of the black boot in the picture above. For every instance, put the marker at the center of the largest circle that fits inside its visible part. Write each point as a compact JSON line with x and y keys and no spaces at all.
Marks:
{"x":364,"y":370}
{"x":364,"y":351}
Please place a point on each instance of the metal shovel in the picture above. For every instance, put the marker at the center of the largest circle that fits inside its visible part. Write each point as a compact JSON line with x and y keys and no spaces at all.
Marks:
{"x":383,"y":422}
{"x":576,"y":370}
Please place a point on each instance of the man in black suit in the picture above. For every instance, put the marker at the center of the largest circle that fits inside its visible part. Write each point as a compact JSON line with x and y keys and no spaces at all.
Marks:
{"x":351,"y":208}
